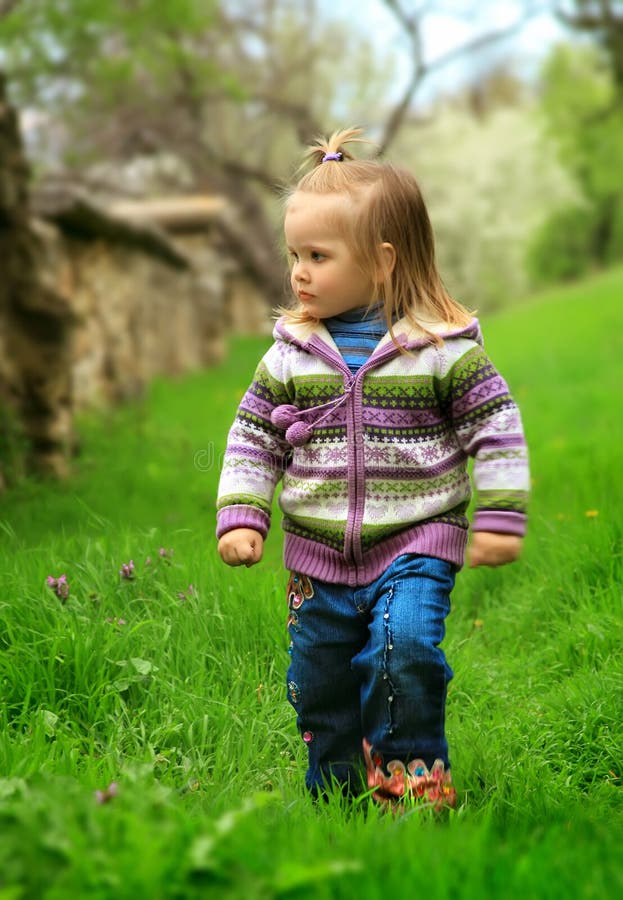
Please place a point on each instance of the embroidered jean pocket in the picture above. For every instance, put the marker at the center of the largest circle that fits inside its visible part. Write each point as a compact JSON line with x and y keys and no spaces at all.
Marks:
{"x":298,"y":591}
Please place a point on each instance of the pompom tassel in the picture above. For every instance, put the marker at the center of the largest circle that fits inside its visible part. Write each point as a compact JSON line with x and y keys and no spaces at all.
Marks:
{"x":285,"y":415}
{"x":298,"y":434}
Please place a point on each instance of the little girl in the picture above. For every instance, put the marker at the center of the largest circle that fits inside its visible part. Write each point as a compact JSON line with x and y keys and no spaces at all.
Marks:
{"x":368,"y":405}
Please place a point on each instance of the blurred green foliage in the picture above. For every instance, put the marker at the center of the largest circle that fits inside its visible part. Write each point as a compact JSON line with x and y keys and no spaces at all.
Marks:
{"x":104,"y":42}
{"x":584,"y":114}
{"x":562,"y":247}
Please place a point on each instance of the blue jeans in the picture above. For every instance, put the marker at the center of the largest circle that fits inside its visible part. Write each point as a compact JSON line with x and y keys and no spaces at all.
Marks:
{"x":366,"y":662}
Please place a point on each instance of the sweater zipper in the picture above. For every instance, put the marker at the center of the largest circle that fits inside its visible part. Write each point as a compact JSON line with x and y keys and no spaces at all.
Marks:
{"x":353,"y":551}
{"x":356,"y":481}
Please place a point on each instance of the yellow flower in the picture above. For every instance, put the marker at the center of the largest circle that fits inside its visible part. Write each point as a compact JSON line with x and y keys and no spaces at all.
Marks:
{"x":591,"y":513}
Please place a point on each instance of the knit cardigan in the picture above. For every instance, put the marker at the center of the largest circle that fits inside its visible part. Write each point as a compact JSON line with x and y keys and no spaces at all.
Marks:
{"x":374,"y":464}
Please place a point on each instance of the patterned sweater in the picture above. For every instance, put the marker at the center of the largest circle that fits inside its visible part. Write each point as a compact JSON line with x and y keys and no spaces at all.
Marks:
{"x":374,"y":464}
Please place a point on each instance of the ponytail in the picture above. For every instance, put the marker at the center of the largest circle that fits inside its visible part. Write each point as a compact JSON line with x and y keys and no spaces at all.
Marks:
{"x":332,"y":149}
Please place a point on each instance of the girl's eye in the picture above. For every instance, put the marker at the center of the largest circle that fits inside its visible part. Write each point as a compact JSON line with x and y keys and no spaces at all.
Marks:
{"x":314,"y":256}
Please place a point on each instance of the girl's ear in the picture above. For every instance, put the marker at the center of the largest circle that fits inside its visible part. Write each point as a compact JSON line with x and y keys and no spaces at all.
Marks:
{"x":388,"y":261}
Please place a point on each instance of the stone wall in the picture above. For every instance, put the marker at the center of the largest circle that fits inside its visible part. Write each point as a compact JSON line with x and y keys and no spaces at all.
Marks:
{"x":98,"y":298}
{"x":136,"y":300}
{"x":150,"y":288}
{"x":35,"y":324}
{"x":137,"y":317}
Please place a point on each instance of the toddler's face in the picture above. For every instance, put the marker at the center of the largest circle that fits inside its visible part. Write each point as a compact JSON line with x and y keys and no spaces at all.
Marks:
{"x":325,"y":275}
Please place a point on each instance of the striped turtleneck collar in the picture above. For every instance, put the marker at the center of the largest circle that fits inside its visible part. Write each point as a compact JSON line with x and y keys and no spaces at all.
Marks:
{"x":357,"y":332}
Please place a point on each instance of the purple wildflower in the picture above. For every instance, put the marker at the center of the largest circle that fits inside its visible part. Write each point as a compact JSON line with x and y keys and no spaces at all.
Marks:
{"x":184,"y":595}
{"x":127,"y":570}
{"x":107,"y":794}
{"x":59,"y":585}
{"x":165,"y":554}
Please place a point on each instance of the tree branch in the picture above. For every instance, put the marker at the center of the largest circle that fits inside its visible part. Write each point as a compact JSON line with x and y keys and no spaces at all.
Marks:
{"x":411,"y":24}
{"x":305,"y":125}
{"x":240,"y":169}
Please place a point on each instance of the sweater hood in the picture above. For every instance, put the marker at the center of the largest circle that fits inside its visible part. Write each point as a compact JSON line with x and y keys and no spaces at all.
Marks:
{"x":307,"y":334}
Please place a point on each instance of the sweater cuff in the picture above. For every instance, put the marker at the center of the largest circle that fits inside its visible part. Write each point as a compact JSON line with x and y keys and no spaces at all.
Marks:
{"x":500,"y":521}
{"x":241,"y":516}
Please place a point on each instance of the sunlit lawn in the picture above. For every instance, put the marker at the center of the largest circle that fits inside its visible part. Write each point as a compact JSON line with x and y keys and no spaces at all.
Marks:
{"x":164,"y":691}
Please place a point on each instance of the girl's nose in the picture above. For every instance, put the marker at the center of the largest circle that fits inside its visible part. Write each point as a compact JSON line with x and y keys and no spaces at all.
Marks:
{"x":300,"y":272}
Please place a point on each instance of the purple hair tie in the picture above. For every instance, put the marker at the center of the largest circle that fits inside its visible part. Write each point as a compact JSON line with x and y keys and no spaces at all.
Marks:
{"x":333,"y":156}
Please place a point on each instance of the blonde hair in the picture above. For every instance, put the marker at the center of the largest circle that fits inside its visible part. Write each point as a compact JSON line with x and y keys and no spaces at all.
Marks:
{"x":387,"y":207}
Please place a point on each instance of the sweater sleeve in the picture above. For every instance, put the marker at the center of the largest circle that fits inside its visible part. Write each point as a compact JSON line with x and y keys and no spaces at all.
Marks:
{"x":488,"y":426}
{"x":255,"y":454}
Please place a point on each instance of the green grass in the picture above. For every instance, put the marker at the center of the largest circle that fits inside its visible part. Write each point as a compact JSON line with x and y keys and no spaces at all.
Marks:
{"x":176,"y":693}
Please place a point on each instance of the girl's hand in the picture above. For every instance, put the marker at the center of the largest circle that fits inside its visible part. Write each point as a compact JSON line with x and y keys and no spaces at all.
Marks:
{"x":489,"y":548}
{"x":241,"y":547}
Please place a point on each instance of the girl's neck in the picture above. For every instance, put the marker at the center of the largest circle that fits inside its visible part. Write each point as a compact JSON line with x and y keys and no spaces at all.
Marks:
{"x":359,"y":313}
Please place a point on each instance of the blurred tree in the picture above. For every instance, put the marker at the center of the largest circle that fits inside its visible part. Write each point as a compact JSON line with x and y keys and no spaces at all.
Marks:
{"x":603,"y":21}
{"x":487,"y":199}
{"x":579,"y":100}
{"x":412,"y":17}
{"x":498,"y":88}
{"x":230,"y":89}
